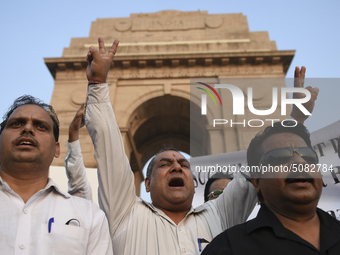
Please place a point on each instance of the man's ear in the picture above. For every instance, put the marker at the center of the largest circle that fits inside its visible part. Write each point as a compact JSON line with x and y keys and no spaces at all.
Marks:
{"x":147,"y":184}
{"x":57,"y":150}
{"x":255,"y":182}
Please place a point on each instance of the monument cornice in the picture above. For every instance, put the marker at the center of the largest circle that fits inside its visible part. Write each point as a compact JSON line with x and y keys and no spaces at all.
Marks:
{"x":217,"y":58}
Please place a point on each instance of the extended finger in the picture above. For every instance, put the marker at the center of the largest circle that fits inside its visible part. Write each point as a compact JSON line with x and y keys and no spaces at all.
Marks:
{"x":302,"y":76}
{"x":114,"y":47}
{"x":101,"y":45}
{"x":299,"y":77}
{"x":297,"y":72}
{"x":302,"y":72}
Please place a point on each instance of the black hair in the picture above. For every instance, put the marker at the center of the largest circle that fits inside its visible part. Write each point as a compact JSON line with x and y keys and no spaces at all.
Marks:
{"x":25,"y":100}
{"x":254,"y":152}
{"x":210,"y":181}
{"x":152,"y":161}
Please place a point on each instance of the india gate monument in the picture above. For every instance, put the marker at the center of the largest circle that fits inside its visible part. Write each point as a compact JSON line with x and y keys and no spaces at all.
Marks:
{"x":149,"y":80}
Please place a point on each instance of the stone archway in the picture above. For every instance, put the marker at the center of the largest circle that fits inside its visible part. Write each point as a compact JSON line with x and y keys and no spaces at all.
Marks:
{"x":162,"y":122}
{"x":158,"y":54}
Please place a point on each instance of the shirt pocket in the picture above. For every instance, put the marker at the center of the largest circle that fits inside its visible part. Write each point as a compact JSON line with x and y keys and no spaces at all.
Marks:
{"x":64,"y":240}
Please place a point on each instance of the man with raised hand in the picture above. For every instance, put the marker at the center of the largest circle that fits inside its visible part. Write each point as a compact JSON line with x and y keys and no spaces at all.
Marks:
{"x":78,"y":184}
{"x":36,"y":217}
{"x":169,"y":225}
{"x":289,"y":186}
{"x":299,"y":82}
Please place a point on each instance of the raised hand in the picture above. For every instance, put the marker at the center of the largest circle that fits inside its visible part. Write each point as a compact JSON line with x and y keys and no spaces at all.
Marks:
{"x":299,"y":81}
{"x":76,"y":124}
{"x":99,"y":62}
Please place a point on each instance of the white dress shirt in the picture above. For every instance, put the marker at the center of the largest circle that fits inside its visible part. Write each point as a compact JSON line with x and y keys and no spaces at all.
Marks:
{"x":137,"y":227}
{"x":51,"y":222}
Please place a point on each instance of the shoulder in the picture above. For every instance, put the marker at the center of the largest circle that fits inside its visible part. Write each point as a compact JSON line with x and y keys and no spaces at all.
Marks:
{"x":219,"y":245}
{"x":327,"y":220}
{"x":92,"y":216}
{"x":231,"y":241}
{"x":85,"y":205}
{"x":238,"y":231}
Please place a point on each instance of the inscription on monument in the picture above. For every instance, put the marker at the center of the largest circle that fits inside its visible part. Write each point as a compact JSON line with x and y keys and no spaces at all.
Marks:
{"x":161,"y":24}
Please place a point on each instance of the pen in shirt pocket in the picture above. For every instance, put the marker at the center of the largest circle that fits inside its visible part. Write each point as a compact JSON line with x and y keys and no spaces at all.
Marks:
{"x":50,"y":221}
{"x":71,"y":222}
{"x":200,"y":241}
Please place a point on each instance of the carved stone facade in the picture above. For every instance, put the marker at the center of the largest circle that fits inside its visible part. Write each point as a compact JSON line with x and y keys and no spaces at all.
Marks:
{"x":150,"y":76}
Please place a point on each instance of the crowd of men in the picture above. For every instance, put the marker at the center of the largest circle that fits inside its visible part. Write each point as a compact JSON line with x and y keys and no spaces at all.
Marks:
{"x":38,"y":218}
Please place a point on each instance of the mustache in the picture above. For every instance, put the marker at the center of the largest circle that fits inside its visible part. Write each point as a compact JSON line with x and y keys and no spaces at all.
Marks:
{"x":36,"y":143}
{"x":299,"y":175}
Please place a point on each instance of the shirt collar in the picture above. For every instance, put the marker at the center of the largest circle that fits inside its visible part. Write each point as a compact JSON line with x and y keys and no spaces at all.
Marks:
{"x":4,"y":186}
{"x":192,"y":210}
{"x":162,"y":214}
{"x":329,"y":227}
{"x":151,"y":206}
{"x":266,"y":218}
{"x":200,"y":208}
{"x":49,"y":187}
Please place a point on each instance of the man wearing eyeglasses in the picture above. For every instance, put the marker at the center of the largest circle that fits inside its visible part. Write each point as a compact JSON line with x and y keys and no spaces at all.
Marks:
{"x":215,"y":185}
{"x":289,"y":221}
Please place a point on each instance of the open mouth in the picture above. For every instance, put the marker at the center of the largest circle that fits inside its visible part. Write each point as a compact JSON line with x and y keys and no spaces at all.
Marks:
{"x":26,"y":142}
{"x":176,"y":182}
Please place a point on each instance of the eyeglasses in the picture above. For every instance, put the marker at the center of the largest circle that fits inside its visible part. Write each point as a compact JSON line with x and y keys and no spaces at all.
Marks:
{"x":215,"y":193}
{"x":283,"y":155}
